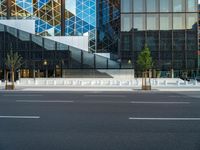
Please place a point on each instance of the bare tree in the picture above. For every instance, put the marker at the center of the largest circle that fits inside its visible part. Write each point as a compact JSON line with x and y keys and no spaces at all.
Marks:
{"x":13,"y":62}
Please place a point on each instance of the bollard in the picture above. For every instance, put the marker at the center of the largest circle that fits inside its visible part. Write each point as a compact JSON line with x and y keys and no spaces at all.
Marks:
{"x":35,"y":82}
{"x":186,"y":82}
{"x":178,"y":83}
{"x":195,"y":82}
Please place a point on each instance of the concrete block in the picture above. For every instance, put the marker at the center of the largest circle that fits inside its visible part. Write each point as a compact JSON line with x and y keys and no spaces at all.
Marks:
{"x":177,"y":83}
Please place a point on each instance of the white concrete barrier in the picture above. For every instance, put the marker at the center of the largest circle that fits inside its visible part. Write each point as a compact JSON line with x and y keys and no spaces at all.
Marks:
{"x":104,"y":82}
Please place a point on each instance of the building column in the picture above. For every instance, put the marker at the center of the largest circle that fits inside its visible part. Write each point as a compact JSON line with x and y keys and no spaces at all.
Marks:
{"x":9,"y":2}
{"x":62,"y":17}
{"x":33,"y":73}
{"x":38,"y":73}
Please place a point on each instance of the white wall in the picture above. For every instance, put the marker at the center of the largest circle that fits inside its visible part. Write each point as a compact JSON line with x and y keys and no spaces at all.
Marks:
{"x":107,"y":55}
{"x":80,"y":42}
{"x":24,"y":25}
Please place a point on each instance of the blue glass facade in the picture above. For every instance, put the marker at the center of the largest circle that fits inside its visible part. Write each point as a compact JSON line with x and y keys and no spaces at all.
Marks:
{"x":82,"y":20}
{"x":108,"y":24}
{"x":98,"y":19}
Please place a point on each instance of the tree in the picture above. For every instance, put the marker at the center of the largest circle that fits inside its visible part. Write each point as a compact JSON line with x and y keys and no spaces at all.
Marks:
{"x":145,"y":63}
{"x":13,"y":62}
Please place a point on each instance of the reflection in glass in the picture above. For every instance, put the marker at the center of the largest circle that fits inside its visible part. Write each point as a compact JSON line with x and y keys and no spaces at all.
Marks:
{"x":126,"y":42}
{"x":165,"y":21}
{"x":126,"y":5}
{"x":126,"y":23}
{"x":152,"y":5}
{"x":179,"y":5}
{"x":179,"y":21}
{"x":191,"y":38}
{"x":191,"y":5}
{"x":165,"y":40}
{"x":139,"y":22}
{"x":179,"y":40}
{"x":139,"y":40}
{"x":152,"y":22}
{"x":153,"y":40}
{"x":70,"y":6}
{"x":165,"y":5}
{"x":138,"y":5}
{"x":191,"y":21}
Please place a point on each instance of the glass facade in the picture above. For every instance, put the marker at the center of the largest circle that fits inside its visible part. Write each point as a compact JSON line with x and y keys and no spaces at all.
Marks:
{"x":55,"y":17}
{"x":118,"y":27}
{"x":108,"y":26}
{"x":36,"y":49}
{"x":98,"y":19}
{"x":169,"y":27}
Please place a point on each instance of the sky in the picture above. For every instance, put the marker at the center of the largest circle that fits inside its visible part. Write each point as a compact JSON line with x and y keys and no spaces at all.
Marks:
{"x":199,"y":1}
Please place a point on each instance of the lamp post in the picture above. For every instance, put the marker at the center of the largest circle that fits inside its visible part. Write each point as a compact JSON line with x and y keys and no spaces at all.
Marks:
{"x":45,"y":63}
{"x":130,"y":63}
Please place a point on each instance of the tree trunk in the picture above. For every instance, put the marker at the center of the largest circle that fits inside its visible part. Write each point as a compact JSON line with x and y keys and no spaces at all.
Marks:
{"x":145,"y":79}
{"x":6,"y":79}
{"x":13,"y":78}
{"x":145,"y":86}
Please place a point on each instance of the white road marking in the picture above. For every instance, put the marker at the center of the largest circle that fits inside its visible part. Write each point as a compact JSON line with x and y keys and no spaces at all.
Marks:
{"x":43,"y":101}
{"x":22,"y":95}
{"x":19,"y":117}
{"x":143,"y":102}
{"x":95,"y":95}
{"x":177,"y":96}
{"x":166,"y":119}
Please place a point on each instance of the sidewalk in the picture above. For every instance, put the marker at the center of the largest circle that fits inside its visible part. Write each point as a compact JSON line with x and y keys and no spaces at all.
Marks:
{"x":101,"y":89}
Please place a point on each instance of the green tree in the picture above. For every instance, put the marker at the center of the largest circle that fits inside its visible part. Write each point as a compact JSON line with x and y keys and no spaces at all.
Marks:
{"x":13,"y":62}
{"x":145,"y":62}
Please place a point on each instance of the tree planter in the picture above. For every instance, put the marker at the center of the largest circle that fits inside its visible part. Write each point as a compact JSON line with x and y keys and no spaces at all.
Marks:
{"x":146,"y":82}
{"x":146,"y":88}
{"x":10,"y":87}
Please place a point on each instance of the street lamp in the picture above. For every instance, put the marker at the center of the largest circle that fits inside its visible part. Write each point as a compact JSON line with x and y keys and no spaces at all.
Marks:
{"x":45,"y":63}
{"x":129,"y":63}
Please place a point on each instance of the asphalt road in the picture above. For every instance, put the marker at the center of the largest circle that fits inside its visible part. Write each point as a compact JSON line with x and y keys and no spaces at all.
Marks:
{"x":99,"y":121}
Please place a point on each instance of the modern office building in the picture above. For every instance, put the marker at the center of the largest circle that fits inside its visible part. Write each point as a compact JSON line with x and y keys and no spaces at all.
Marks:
{"x":68,"y":34}
{"x":199,"y":38}
{"x":168,"y":27}
{"x":98,"y":34}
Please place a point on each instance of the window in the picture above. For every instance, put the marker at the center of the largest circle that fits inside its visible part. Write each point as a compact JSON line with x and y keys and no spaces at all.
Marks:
{"x":126,"y":22}
{"x":179,"y":40}
{"x":126,"y":6}
{"x":139,"y":22}
{"x":138,"y":5}
{"x":165,"y":21}
{"x":191,"y":21}
{"x":152,"y":22}
{"x":126,"y":40}
{"x":165,"y":40}
{"x":191,"y":6}
{"x":152,"y":5}
{"x":179,"y":5}
{"x":192,"y":41}
{"x":165,"y":5}
{"x":179,"y":21}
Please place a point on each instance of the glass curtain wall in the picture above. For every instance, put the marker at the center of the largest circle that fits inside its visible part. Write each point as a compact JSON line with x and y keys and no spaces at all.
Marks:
{"x":168,"y":27}
{"x":43,"y":57}
{"x":108,"y":26}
